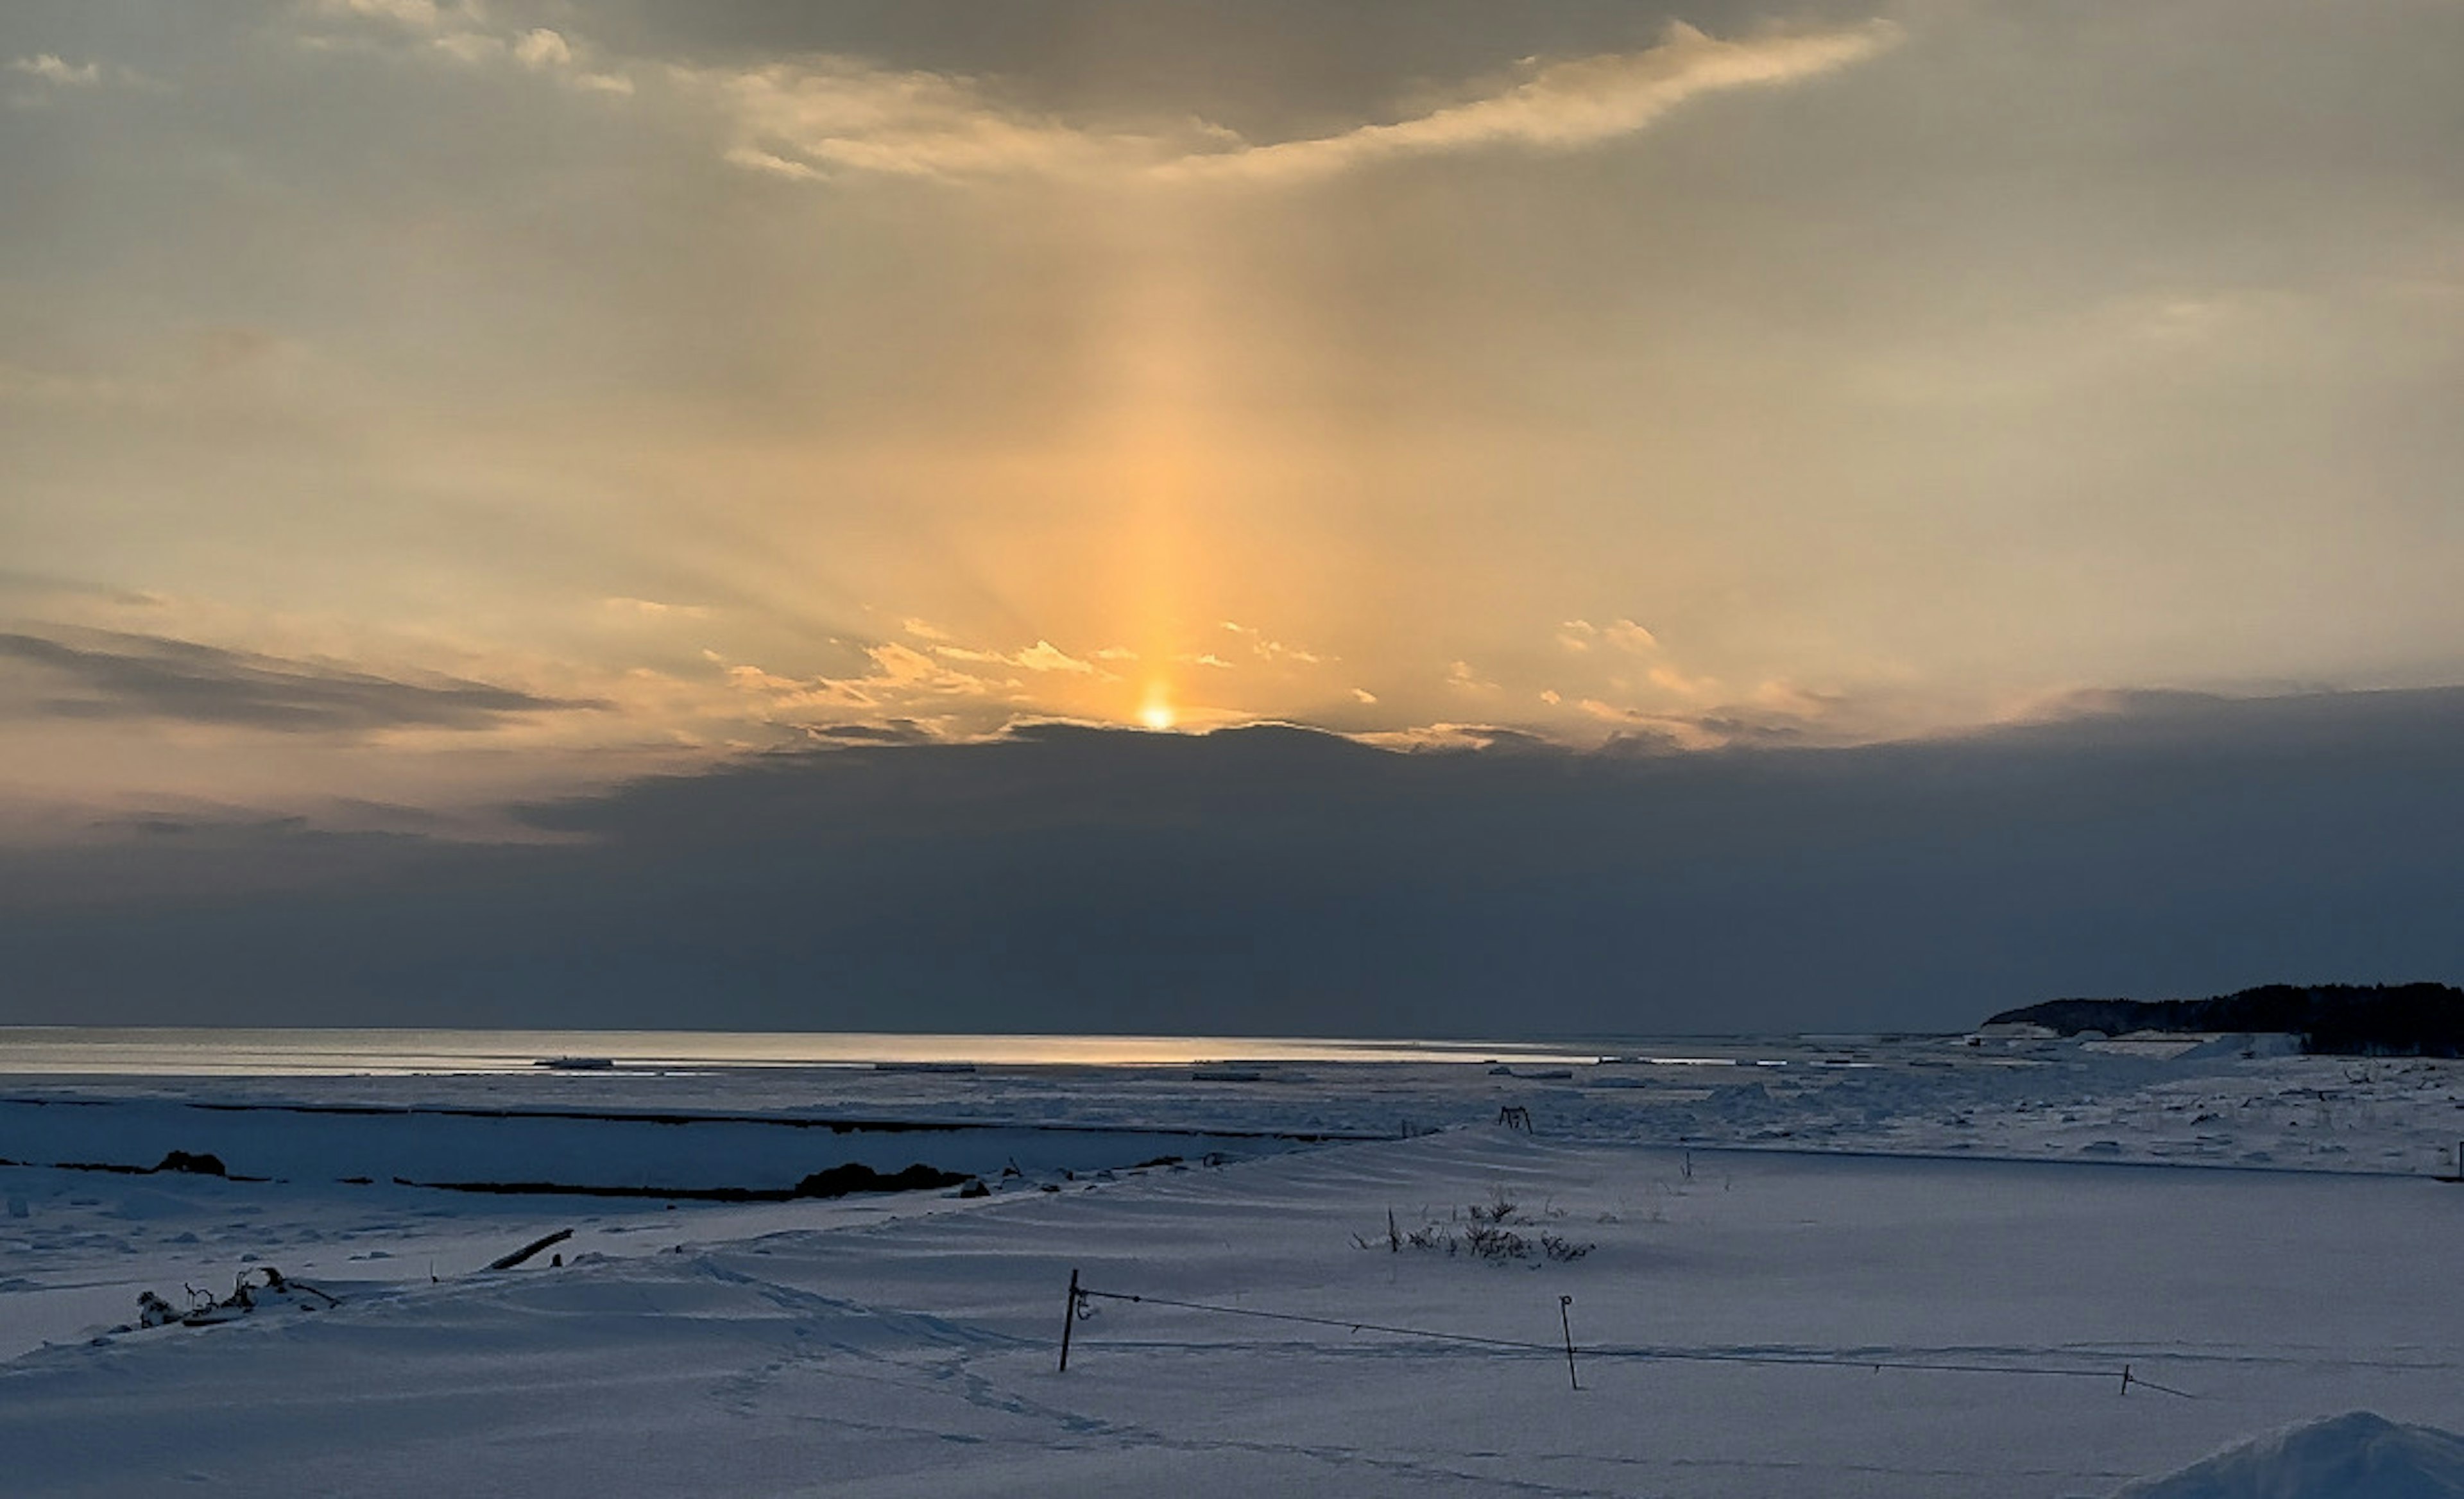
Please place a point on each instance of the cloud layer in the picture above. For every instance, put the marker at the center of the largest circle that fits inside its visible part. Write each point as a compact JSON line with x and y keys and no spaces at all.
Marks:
{"x":1275,"y":880}
{"x":387,"y":382}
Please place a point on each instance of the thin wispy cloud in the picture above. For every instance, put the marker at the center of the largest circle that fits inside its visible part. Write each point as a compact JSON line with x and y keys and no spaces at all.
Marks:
{"x":463,"y":33}
{"x":51,"y":68}
{"x":653,"y":610}
{"x":107,"y":674}
{"x":418,"y":15}
{"x":901,"y":682}
{"x":1564,"y":107}
{"x":828,"y":116}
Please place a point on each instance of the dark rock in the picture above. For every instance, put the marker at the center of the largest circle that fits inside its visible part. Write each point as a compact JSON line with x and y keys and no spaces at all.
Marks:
{"x":200,"y":1163}
{"x":2336,"y":1019}
{"x":842,"y":1181}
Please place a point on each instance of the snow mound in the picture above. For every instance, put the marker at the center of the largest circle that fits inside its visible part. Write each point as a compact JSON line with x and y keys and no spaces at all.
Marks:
{"x":2245,"y":1044}
{"x":2359,"y":1455}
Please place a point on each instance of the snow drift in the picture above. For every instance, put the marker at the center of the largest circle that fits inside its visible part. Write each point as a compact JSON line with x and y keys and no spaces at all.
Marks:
{"x":2359,"y":1455}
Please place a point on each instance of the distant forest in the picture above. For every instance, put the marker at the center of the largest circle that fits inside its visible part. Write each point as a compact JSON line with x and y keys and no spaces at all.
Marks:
{"x":2339,"y":1018}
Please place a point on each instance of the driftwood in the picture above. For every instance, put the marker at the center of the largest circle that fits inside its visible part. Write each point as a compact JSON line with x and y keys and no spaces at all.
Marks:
{"x":509,"y":1261}
{"x":203,"y":1310}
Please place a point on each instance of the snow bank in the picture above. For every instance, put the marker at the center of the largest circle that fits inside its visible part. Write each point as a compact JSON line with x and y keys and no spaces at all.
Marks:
{"x":2245,"y":1044}
{"x":2355,"y":1456}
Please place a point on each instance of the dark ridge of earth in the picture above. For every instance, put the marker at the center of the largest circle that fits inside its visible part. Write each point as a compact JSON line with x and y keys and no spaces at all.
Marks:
{"x":2333,"y":1019}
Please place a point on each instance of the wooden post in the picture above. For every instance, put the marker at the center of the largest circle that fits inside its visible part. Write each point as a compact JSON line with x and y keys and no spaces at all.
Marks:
{"x":2126,"y":1378}
{"x":1068,"y":1315}
{"x":1566,"y":1322}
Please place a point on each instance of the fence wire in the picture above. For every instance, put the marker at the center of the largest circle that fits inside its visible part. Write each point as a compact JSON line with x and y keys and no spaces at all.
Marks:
{"x":1831,"y":1358}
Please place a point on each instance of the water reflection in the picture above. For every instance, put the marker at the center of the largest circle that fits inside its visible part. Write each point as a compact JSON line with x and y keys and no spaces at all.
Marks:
{"x":189,"y":1052}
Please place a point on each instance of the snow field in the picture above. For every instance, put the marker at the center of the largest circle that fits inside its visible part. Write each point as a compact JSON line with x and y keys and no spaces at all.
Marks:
{"x":906,"y":1345}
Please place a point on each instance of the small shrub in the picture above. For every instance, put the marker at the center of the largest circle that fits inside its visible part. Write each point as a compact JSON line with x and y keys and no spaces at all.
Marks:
{"x":1486,"y":1239}
{"x":1500,"y":1210}
{"x":1563,"y":1250}
{"x":1481,"y":1231}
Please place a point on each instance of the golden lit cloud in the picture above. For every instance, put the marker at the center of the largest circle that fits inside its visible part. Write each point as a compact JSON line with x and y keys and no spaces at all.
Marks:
{"x":827,"y":116}
{"x":1567,"y":105}
{"x":1044,"y":657}
{"x":652,"y":609}
{"x":1464,"y":677}
{"x":1627,"y":635}
{"x":814,"y":119}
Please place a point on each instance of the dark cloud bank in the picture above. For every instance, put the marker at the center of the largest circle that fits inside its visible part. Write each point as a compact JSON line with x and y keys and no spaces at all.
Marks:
{"x":1276,"y":880}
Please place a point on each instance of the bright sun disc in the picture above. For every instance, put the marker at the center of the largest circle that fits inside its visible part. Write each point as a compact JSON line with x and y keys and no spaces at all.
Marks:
{"x":1156,"y":715}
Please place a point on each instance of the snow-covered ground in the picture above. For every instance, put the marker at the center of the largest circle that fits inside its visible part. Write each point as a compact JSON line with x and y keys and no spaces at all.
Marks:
{"x":1861,"y":1272}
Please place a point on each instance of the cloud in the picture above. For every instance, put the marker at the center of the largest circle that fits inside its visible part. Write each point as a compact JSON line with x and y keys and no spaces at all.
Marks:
{"x":1464,"y":677}
{"x":36,"y":584}
{"x":902,"y":679}
{"x":652,"y":609}
{"x":542,"y":49}
{"x":461,"y":32}
{"x":1268,"y":649}
{"x":1627,"y":635}
{"x":1273,"y":880}
{"x":1563,"y":106}
{"x":108,"y":674}
{"x":418,"y":15}
{"x":828,"y":115}
{"x":946,"y":692}
{"x":51,"y":69}
{"x":832,"y":116}
{"x":891,"y":731}
{"x":824,"y":116}
{"x":1044,"y":657}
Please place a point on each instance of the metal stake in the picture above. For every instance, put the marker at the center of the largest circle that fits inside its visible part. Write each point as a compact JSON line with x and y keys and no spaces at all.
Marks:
{"x":1565,"y":1321}
{"x":1069,"y":1316}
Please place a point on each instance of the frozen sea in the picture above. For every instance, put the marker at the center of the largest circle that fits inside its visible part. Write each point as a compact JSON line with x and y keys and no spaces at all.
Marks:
{"x":1842,"y":1265}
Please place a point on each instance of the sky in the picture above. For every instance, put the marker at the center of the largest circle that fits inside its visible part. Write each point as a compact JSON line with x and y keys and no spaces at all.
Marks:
{"x":440,"y":434}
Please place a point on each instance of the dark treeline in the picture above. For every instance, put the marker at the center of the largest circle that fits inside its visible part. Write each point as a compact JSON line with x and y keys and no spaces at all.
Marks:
{"x":2341,"y":1019}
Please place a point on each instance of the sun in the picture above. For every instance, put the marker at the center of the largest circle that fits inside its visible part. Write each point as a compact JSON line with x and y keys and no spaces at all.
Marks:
{"x":1158,"y":713}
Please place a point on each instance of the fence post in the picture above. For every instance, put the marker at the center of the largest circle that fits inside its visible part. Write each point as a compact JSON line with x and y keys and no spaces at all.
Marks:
{"x":1566,"y":1322}
{"x":1069,"y":1317}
